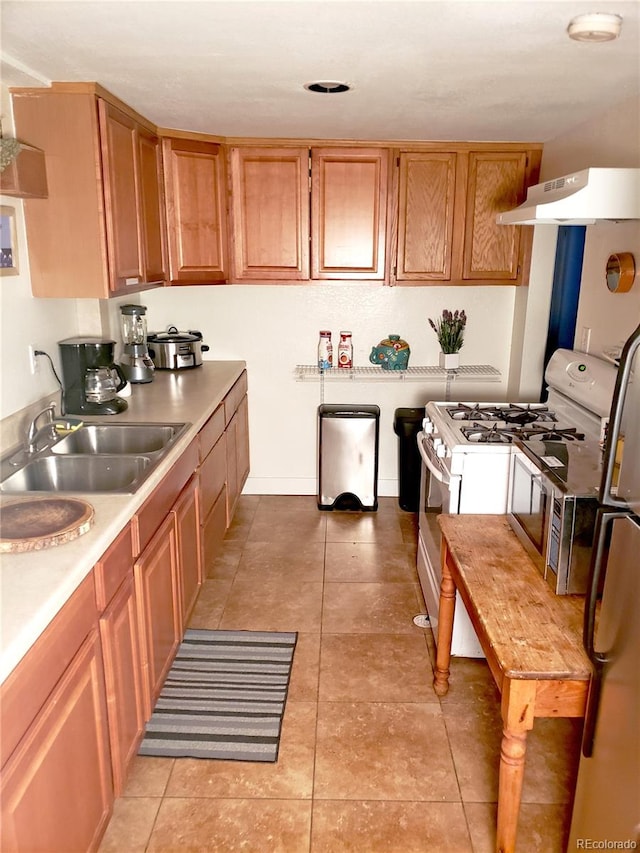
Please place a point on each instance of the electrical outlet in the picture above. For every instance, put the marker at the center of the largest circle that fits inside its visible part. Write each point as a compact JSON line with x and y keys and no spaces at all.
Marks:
{"x":585,"y":339}
{"x":34,"y":367}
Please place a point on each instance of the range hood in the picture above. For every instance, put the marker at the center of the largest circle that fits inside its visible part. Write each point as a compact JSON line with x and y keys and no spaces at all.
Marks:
{"x":581,"y":198}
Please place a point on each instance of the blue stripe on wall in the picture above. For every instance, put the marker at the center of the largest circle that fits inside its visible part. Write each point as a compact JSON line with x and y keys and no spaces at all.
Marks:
{"x":565,"y":293}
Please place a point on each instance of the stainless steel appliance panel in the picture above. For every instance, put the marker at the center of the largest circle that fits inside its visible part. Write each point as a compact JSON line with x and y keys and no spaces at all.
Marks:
{"x":607,"y":800}
{"x":623,"y":439}
{"x":348,"y":457}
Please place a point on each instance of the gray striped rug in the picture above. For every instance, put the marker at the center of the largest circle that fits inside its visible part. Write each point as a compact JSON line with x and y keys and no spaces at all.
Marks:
{"x":223,"y":697}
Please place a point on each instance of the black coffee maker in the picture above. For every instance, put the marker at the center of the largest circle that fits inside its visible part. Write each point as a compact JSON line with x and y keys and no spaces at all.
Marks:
{"x":90,"y":378}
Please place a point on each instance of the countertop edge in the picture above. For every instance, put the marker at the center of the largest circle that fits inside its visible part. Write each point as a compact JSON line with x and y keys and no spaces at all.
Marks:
{"x":35,"y":585}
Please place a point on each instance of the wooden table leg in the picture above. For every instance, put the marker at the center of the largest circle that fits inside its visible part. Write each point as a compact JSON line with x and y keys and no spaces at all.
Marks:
{"x":446,"y":609}
{"x":518,"y":705}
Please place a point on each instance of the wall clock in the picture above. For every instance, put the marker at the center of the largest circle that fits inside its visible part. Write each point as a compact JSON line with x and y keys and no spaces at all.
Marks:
{"x":621,"y":272}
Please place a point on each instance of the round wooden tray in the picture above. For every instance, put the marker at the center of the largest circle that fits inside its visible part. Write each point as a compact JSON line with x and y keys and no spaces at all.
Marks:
{"x":37,"y":523}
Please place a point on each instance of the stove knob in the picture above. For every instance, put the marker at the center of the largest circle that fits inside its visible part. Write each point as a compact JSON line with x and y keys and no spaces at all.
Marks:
{"x":437,"y":442}
{"x":428,"y":426}
{"x":441,"y":451}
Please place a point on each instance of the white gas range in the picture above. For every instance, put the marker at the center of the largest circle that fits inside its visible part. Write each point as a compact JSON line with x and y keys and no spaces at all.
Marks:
{"x":466,"y":451}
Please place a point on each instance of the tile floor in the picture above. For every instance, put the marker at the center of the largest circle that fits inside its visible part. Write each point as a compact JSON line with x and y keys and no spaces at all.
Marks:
{"x":370,"y":759}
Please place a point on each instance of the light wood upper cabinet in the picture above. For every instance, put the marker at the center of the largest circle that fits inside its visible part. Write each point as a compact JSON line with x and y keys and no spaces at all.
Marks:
{"x":292,"y":226}
{"x":270,"y":214}
{"x":496,"y":182}
{"x":100,"y":231}
{"x":195,"y":191}
{"x":446,"y":216}
{"x":132,"y":177}
{"x":152,"y":214}
{"x":348,"y":212}
{"x":426,"y":203}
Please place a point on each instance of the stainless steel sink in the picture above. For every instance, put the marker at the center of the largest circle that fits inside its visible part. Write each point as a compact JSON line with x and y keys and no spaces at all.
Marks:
{"x":118,"y":438}
{"x":78,"y":474}
{"x":98,"y":457}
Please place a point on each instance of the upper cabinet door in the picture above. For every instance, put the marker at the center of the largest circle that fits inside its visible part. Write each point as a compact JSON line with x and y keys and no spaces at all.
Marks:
{"x":152,"y":208}
{"x":122,"y":197}
{"x":133,"y":201}
{"x":496,"y":182}
{"x":426,"y":202}
{"x":196,"y":211}
{"x":348,"y":212}
{"x":270,"y":209}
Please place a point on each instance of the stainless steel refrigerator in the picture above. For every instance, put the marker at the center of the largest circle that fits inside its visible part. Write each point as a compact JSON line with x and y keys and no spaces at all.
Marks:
{"x":607,"y":800}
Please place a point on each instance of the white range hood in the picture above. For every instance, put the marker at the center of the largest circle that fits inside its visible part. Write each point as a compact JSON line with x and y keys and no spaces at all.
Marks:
{"x":581,"y":198}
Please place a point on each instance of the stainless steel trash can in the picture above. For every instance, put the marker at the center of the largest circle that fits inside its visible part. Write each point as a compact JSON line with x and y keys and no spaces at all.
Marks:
{"x":348,"y":438}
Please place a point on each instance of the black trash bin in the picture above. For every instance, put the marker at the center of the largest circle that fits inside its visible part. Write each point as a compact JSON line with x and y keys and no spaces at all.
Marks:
{"x":406,"y":425}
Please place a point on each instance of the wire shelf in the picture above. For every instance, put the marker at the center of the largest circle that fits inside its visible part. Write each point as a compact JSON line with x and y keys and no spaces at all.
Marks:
{"x":471,"y":372}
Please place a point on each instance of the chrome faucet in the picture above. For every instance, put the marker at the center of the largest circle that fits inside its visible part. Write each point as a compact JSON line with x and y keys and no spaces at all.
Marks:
{"x":34,"y":432}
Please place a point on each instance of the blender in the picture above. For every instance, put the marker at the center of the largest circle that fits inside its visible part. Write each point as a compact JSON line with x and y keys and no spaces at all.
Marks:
{"x":136,"y":362}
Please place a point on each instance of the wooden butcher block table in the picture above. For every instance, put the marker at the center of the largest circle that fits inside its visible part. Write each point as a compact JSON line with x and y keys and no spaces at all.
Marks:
{"x":532,"y":639}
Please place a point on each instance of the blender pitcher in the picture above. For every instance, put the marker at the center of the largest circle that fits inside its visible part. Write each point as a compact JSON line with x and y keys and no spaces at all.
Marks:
{"x":136,"y":362}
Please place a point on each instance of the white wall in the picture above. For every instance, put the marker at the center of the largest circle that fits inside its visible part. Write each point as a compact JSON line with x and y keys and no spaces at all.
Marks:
{"x":612,"y":139}
{"x":274,"y":328}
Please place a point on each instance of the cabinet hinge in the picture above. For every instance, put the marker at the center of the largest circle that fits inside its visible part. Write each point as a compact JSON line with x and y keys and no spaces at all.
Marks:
{"x":398,"y":161}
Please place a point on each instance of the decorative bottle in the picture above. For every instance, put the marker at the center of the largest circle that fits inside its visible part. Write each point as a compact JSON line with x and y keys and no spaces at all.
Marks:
{"x":345,"y":351}
{"x":325,"y":351}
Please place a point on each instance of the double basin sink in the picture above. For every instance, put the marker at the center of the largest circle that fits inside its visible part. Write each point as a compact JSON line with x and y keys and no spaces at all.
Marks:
{"x":96,"y":457}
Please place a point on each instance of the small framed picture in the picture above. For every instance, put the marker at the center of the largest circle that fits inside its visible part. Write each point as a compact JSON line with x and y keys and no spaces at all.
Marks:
{"x":8,"y":241}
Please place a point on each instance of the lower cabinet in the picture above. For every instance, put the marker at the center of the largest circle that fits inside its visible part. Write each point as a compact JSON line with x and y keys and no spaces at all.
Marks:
{"x":56,"y":788}
{"x":159,"y":609}
{"x":115,"y":598}
{"x":237,"y":455}
{"x":123,"y":679}
{"x":214,"y":527}
{"x":73,"y":711}
{"x":186,"y":512}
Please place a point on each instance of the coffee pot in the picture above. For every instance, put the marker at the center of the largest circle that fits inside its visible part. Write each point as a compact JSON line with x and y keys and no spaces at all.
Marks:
{"x":90,"y":378}
{"x":100,"y":384}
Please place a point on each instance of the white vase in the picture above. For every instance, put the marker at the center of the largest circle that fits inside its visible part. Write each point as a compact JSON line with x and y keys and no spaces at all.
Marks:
{"x":450,"y":360}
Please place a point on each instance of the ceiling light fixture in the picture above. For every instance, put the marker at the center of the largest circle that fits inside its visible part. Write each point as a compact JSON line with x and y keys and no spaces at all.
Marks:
{"x":595,"y":27}
{"x":327,"y":87}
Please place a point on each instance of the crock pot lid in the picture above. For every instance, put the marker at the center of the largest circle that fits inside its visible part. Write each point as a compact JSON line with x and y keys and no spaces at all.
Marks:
{"x":172,"y":337}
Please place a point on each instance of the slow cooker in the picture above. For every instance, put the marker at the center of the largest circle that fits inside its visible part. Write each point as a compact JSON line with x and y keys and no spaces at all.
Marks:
{"x":174,"y":350}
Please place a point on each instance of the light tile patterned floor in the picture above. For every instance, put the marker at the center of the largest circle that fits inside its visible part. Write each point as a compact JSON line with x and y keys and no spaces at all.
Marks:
{"x":371,"y":761}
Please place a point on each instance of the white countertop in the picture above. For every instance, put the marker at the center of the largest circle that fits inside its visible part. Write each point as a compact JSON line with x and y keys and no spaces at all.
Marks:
{"x":36,"y":584}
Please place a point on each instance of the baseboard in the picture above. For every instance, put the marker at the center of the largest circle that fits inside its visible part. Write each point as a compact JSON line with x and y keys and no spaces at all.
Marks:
{"x":303,"y":486}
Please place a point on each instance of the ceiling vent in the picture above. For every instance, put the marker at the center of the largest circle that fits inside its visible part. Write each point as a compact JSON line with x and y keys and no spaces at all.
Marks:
{"x":327,"y":87}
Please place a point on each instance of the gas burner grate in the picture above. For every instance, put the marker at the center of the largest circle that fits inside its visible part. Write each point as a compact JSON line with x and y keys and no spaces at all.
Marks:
{"x":480,"y":433}
{"x":462,"y":412}
{"x":483,"y":434}
{"x":525,"y":414}
{"x":510,"y":413}
{"x":552,"y":434}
